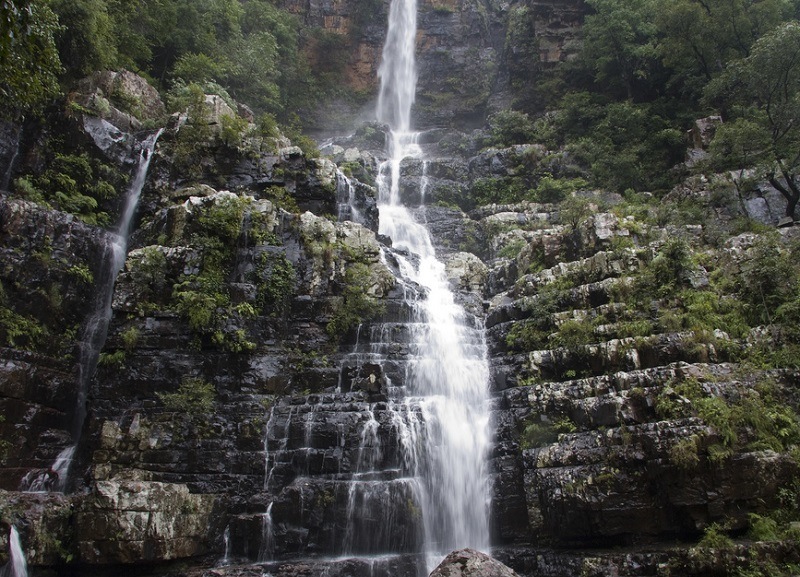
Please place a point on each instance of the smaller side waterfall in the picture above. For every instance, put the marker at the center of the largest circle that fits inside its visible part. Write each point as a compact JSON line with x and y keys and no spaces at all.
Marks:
{"x":95,"y":327}
{"x":346,"y":199}
{"x":4,"y":184}
{"x":52,"y":479}
{"x":16,"y":566}
{"x":226,"y":540}
{"x":267,"y":549}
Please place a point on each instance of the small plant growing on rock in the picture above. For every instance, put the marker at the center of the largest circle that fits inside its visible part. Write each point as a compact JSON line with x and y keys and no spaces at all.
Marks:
{"x":355,"y":305}
{"x":537,"y":433}
{"x":194,"y":396}
{"x":683,"y":454}
{"x":714,"y":537}
{"x":130,"y":338}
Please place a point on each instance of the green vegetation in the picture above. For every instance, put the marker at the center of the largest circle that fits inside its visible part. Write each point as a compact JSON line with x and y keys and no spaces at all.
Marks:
{"x":749,"y":419}
{"x":645,"y":71}
{"x":73,"y":183}
{"x":714,"y":537}
{"x":762,"y":93}
{"x":29,"y":60}
{"x":194,"y":397}
{"x":276,"y":280}
{"x":256,"y":51}
{"x":355,"y":304}
{"x":23,"y":332}
{"x":538,"y":433}
{"x":203,"y":299}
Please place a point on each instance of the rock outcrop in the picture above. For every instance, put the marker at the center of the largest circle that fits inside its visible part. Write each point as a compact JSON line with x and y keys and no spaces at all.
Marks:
{"x":139,"y":522}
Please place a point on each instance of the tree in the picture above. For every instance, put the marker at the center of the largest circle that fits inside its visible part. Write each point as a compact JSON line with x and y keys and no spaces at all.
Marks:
{"x":619,"y":44}
{"x":29,"y":62}
{"x":736,"y":147}
{"x":766,"y":85}
{"x":697,"y":38}
{"x":86,"y":39}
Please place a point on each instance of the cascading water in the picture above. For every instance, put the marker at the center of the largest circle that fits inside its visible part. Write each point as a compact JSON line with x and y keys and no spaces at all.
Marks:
{"x":392,"y":466}
{"x":96,"y":326}
{"x":16,"y":565}
{"x":450,"y":373}
{"x":10,"y":170}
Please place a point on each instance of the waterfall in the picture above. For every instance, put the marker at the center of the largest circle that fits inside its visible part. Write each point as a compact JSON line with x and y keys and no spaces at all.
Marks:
{"x":267,"y":540}
{"x":95,"y":328}
{"x":6,"y":182}
{"x":226,"y":541}
{"x":345,"y":196}
{"x":395,"y":467}
{"x":16,"y":566}
{"x":449,"y":377}
{"x":397,"y":72}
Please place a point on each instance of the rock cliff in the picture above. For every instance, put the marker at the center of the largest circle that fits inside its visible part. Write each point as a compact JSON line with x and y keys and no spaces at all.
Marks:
{"x":230,"y":415}
{"x":473,"y":56}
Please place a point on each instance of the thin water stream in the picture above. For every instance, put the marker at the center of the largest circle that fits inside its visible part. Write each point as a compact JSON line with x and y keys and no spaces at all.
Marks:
{"x":95,"y":327}
{"x":16,"y":566}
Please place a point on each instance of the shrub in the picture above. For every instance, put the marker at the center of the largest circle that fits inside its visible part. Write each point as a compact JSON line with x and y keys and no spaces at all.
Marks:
{"x":277,"y":283}
{"x":509,"y":127}
{"x":683,"y":454}
{"x":355,"y":304}
{"x":130,"y":338}
{"x":537,"y":434}
{"x":194,"y":396}
{"x":714,"y":537}
{"x":555,"y":190}
{"x":232,"y":130}
{"x":763,"y":528}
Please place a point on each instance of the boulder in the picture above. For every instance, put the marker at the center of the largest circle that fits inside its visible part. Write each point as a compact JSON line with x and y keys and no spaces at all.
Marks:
{"x":217,"y":108}
{"x":471,"y":563}
{"x":467,"y":272}
{"x":702,"y":133}
{"x":135,"y":522}
{"x":122,"y":98}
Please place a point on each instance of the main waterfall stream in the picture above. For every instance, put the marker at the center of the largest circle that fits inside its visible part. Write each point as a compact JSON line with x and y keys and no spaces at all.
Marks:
{"x":449,"y":376}
{"x":405,"y":473}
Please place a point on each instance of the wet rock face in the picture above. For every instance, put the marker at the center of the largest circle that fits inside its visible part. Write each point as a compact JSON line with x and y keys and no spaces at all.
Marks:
{"x":49,"y":262}
{"x":337,"y":475}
